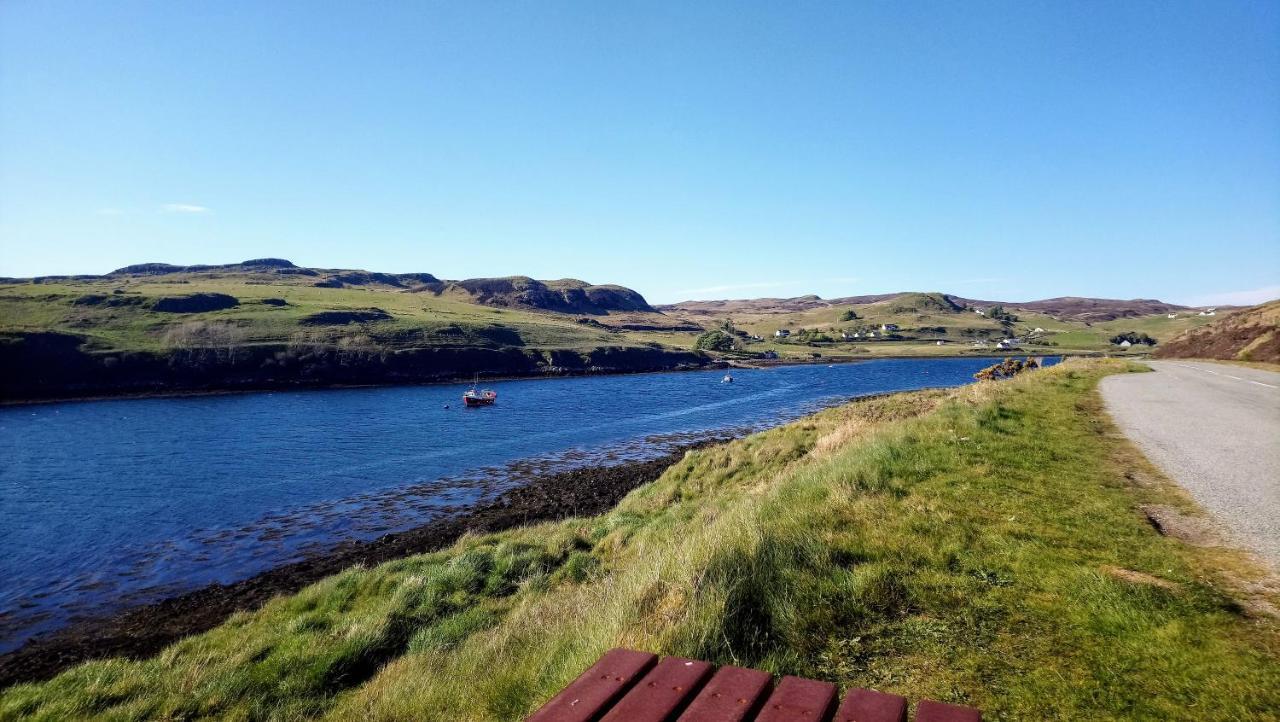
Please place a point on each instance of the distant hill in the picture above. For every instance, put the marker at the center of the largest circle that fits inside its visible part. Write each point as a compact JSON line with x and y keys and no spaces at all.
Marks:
{"x":1075,"y":308}
{"x":1251,"y":334}
{"x":567,"y":295}
{"x":1068,"y":308}
{"x":768,"y":305}
{"x":268,"y":323}
{"x":923,"y":303}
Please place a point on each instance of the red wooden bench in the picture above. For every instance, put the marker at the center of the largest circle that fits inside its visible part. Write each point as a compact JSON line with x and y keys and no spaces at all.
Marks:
{"x":629,"y":686}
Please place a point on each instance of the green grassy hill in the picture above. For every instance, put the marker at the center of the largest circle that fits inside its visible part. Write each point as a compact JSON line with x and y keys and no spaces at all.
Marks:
{"x":121,"y":312}
{"x":267,"y":322}
{"x":984,"y":545}
{"x":924,"y":319}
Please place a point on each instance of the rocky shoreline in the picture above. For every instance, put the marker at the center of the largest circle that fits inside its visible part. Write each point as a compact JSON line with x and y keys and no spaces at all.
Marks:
{"x":145,"y":630}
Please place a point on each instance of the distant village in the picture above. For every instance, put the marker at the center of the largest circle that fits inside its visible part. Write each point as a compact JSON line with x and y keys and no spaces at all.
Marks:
{"x":979,"y":338}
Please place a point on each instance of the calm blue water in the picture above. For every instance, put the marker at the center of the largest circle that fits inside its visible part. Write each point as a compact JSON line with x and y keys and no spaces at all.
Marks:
{"x":106,"y":503}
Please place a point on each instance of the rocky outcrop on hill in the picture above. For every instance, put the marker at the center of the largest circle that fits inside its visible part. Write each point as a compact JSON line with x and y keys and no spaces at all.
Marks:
{"x":565,"y":296}
{"x":923,"y":303}
{"x":110,"y":301}
{"x":195,"y":303}
{"x":160,"y":269}
{"x":1252,"y":334}
{"x":339,"y":318}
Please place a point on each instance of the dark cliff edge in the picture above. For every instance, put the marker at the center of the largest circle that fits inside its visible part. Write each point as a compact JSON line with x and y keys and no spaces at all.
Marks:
{"x":48,"y":366}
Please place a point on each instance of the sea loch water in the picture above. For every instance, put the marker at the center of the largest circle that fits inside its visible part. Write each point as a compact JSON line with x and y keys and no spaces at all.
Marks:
{"x":109,"y":503}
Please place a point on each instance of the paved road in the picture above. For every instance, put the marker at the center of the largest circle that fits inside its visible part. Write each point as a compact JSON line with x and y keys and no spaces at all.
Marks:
{"x":1215,"y":429}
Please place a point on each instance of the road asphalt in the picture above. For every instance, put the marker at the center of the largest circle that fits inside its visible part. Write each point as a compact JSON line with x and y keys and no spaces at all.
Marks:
{"x":1214,"y":429}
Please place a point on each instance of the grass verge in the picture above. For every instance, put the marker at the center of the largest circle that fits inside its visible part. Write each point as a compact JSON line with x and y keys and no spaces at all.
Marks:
{"x":983,"y":545}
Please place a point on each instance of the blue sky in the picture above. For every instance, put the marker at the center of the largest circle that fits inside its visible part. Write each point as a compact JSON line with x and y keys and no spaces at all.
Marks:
{"x":690,"y":150}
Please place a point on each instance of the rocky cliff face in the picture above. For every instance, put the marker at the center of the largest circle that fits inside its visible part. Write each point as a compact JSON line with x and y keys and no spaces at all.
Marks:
{"x":35,"y":366}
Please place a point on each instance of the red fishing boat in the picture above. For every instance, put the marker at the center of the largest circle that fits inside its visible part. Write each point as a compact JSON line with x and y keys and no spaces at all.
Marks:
{"x":477,"y":397}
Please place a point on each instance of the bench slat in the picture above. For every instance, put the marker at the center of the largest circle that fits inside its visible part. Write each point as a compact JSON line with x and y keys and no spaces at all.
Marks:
{"x":662,"y":692}
{"x":930,"y":711}
{"x":868,"y":705}
{"x":588,"y":696}
{"x":799,"y":699}
{"x":732,"y":695}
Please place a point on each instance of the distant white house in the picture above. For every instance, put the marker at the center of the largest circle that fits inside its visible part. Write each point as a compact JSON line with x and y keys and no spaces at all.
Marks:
{"x":940,"y":342}
{"x":1038,"y":330}
{"x":1007,"y":343}
{"x":1173,"y":315}
{"x":1210,"y":312}
{"x":1125,"y":344}
{"x":980,"y":312}
{"x":888,"y":327}
{"x":871,"y":334}
{"x":782,"y":333}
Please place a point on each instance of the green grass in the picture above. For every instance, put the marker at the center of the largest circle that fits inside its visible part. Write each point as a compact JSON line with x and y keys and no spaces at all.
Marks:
{"x":981,"y":545}
{"x":913,"y":311}
{"x":419,"y":319}
{"x":424,"y":319}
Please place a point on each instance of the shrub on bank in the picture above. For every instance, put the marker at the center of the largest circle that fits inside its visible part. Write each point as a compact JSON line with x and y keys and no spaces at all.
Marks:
{"x":716,"y":340}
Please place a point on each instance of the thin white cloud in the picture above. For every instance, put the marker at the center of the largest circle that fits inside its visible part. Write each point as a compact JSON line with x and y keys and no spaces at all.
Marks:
{"x":1237,"y":298}
{"x":184,"y":208}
